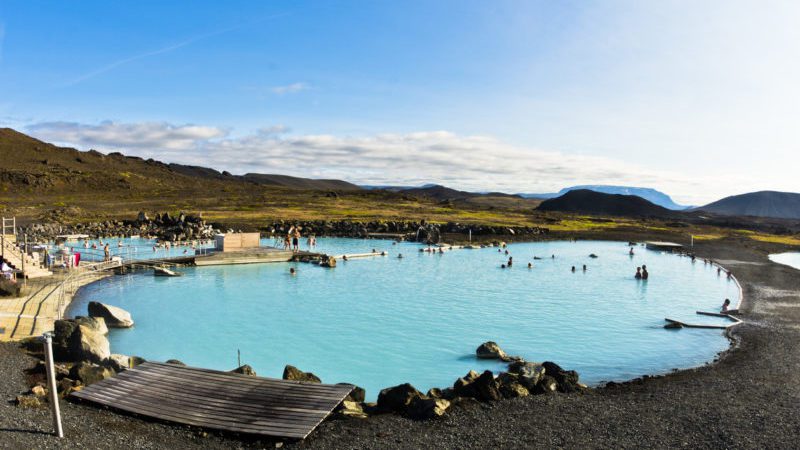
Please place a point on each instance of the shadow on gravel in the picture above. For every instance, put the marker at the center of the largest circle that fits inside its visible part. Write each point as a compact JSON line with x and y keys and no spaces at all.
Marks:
{"x":18,"y":430}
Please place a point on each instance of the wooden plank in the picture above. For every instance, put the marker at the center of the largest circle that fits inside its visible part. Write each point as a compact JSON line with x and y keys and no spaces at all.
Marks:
{"x":318,"y":390}
{"x":218,"y":400}
{"x":185,"y":397}
{"x":143,"y":405}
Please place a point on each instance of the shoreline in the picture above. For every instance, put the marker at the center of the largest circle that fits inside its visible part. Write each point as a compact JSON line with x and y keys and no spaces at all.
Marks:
{"x":750,"y":345}
{"x":711,"y":360}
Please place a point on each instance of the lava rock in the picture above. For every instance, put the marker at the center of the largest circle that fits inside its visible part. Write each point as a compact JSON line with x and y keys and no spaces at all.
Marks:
{"x":358,"y":394}
{"x":567,"y":379}
{"x":293,"y":373}
{"x":423,"y":408}
{"x":87,"y":344}
{"x":245,"y":370}
{"x":115,"y":317}
{"x":490,"y":350}
{"x":117,"y":362}
{"x":529,"y":373}
{"x":397,"y":398}
{"x":89,"y":373}
{"x":28,"y":401}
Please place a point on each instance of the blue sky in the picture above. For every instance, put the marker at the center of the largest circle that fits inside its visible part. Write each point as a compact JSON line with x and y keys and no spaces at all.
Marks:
{"x":699,"y":99}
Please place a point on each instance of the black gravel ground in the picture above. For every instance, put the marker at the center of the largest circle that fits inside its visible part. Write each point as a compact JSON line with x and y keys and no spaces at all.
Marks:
{"x":750,"y":398}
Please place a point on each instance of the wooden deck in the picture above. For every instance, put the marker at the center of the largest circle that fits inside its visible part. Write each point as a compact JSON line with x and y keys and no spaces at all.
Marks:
{"x":218,"y":400}
{"x":246,"y":256}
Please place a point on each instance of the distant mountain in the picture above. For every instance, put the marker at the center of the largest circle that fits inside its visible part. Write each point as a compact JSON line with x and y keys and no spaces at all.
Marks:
{"x":779,"y":205}
{"x":299,"y":183}
{"x":392,"y":188}
{"x":651,"y":195}
{"x":439,"y":192}
{"x":585,"y":201}
{"x":30,"y":165}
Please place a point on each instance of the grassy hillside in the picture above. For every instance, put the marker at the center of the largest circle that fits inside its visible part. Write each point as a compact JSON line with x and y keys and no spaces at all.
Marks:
{"x":37,"y":178}
{"x":43,"y":182}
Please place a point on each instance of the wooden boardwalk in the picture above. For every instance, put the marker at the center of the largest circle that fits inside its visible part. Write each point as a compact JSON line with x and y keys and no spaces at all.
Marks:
{"x":218,"y":400}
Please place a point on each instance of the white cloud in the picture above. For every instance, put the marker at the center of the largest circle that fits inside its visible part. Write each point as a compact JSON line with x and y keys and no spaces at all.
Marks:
{"x":290,"y":88}
{"x":478,"y":163}
{"x":133,"y":137}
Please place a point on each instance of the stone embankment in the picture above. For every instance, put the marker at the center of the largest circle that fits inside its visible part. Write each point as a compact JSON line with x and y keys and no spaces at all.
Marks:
{"x":166,"y":227}
{"x":185,"y":227}
{"x":420,"y":231}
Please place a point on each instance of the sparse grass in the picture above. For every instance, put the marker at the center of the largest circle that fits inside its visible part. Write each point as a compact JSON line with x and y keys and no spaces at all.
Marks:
{"x":787,"y":240}
{"x":583,"y":224}
{"x":707,"y":237}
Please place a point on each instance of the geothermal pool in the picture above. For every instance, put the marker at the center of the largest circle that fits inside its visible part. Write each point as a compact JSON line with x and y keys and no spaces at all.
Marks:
{"x":382,"y":321}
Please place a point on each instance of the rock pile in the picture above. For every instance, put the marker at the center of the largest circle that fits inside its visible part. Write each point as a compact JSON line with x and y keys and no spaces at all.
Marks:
{"x":163,"y":226}
{"x":421,"y":231}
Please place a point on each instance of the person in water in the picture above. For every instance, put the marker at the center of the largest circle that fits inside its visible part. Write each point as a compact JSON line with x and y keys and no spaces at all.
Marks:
{"x":510,"y":261}
{"x":631,"y":251}
{"x":645,"y":275}
{"x":530,"y":266}
{"x":399,"y":255}
{"x":292,"y":271}
{"x":725,"y":305}
{"x":573,"y":268}
{"x":584,"y":267}
{"x":638,"y":275}
{"x":502,"y":266}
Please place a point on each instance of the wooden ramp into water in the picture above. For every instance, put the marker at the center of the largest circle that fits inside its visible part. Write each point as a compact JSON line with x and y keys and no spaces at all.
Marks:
{"x":218,"y":400}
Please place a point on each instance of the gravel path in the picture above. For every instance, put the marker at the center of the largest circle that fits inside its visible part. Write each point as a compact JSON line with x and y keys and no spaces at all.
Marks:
{"x":749,"y":399}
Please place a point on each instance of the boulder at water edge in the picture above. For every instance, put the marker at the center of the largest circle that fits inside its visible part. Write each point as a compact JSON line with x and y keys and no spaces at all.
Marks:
{"x":422,"y":408}
{"x":529,"y":373}
{"x":244,"y":370}
{"x":351,"y":409}
{"x":114,"y":317}
{"x":397,"y":398}
{"x":293,"y":373}
{"x":89,"y":345}
{"x":97,"y":324}
{"x":117,"y":362}
{"x":358,"y":394}
{"x":510,"y":385}
{"x":567,"y":379}
{"x":89,"y":373}
{"x":490,"y":350}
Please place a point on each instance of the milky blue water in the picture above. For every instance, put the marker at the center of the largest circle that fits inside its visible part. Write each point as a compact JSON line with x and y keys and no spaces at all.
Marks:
{"x":131,"y":248}
{"x":382,"y":321}
{"x":791,"y":259}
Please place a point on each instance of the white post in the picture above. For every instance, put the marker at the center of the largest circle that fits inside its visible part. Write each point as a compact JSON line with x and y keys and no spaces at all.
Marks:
{"x":470,"y":234}
{"x":692,"y":240}
{"x":51,"y":383}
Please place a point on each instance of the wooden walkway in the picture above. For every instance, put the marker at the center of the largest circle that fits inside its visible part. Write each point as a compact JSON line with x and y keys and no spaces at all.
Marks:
{"x":218,"y":400}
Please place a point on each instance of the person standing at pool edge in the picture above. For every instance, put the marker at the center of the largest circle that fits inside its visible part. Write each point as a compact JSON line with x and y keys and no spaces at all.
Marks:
{"x":296,"y":240}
